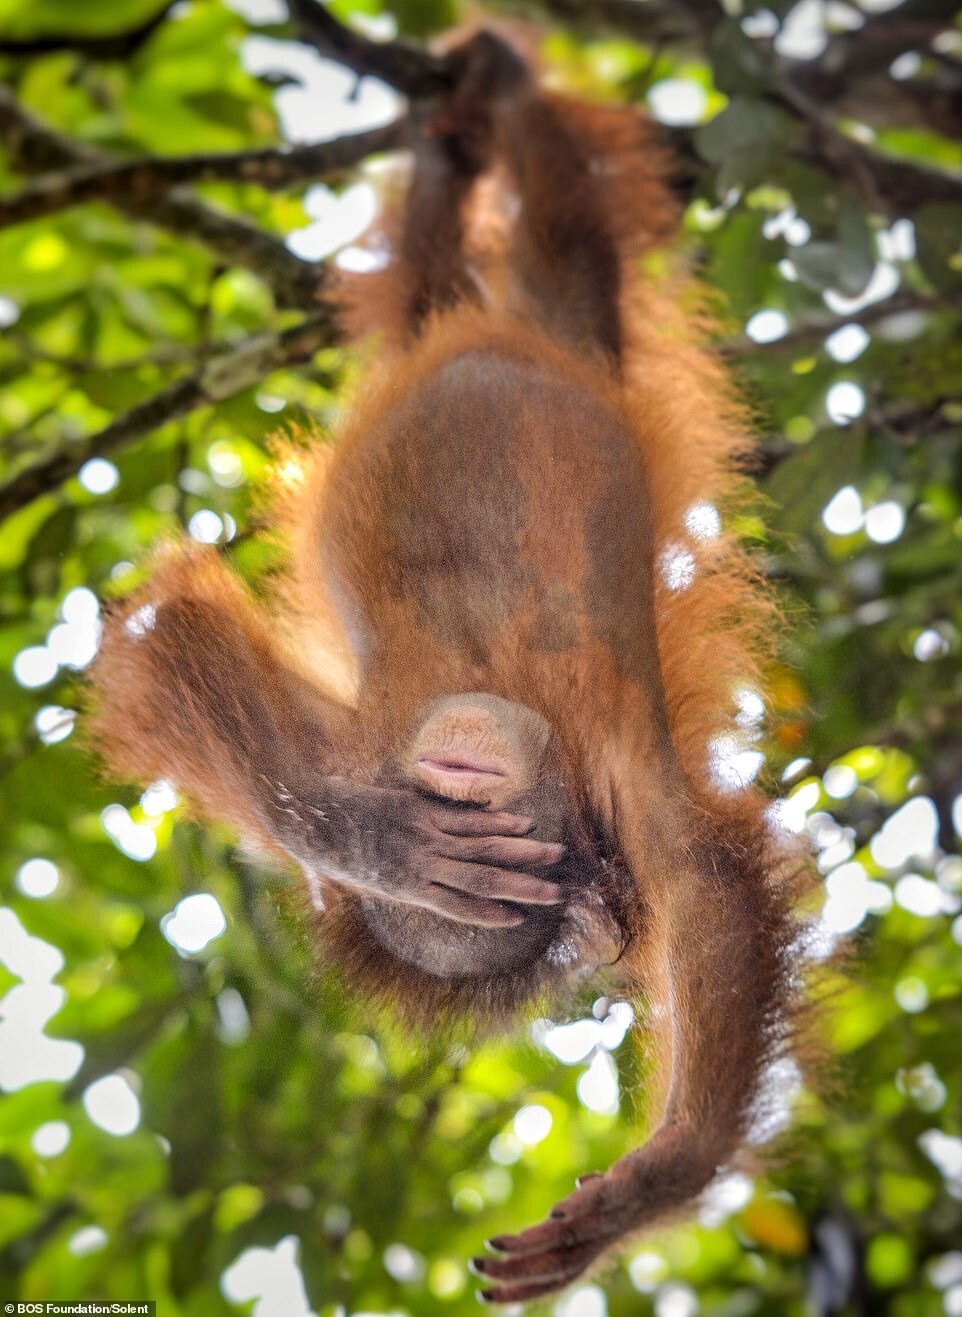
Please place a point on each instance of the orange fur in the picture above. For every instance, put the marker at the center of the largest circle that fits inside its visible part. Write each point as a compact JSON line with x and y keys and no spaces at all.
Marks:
{"x":499,"y":516}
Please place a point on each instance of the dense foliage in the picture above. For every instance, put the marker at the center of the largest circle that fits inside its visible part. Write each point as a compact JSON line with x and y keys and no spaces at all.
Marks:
{"x":191,"y":1112}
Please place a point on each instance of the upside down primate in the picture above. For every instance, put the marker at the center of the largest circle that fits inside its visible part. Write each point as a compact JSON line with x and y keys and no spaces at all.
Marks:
{"x":492,"y":533}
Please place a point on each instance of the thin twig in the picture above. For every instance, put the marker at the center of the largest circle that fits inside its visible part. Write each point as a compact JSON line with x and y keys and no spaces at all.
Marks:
{"x":814,"y":329}
{"x":296,"y":283}
{"x":862,"y":54}
{"x":896,"y":187}
{"x":411,"y":70}
{"x":223,"y":377}
{"x":118,"y":45}
{"x":885,"y":183}
{"x":137,"y":181}
{"x":166,"y":354}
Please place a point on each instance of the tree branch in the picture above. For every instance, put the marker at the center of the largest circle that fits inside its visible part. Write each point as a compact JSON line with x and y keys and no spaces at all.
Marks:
{"x":166,"y":354}
{"x":814,"y":329}
{"x":135,"y":181}
{"x":862,"y":53}
{"x":896,"y":187}
{"x":296,"y":283}
{"x":229,"y":374}
{"x":646,"y":22}
{"x":905,"y":186}
{"x":418,"y":74}
{"x":411,"y":70}
{"x":31,"y":145}
{"x":118,"y":45}
{"x":849,"y":58}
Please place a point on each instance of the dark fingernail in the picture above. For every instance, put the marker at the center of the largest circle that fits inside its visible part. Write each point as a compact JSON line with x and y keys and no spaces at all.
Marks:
{"x":497,"y":1244}
{"x":556,"y":1214}
{"x":485,"y":1296}
{"x":476,"y":1267}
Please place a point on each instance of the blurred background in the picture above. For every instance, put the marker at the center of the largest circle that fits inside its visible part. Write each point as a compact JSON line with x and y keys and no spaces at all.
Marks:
{"x":190,"y":1111}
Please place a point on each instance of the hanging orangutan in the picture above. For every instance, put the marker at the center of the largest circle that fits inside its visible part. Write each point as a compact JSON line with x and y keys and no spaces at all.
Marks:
{"x":509,"y":784}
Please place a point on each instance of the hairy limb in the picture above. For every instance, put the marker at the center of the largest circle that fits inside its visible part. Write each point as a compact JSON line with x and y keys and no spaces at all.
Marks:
{"x":431,"y":257}
{"x":453,"y":144}
{"x":602,"y":1210}
{"x":395,"y":845}
{"x":565,"y":263}
{"x":718,"y":970}
{"x":189,"y":686}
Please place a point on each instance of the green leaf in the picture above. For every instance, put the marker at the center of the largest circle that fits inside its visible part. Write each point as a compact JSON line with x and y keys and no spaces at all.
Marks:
{"x":743,"y":139}
{"x":12,"y":1177}
{"x":809,"y":478}
{"x":856,"y":249}
{"x":740,"y":68}
{"x":818,"y":264}
{"x":938,"y":236}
